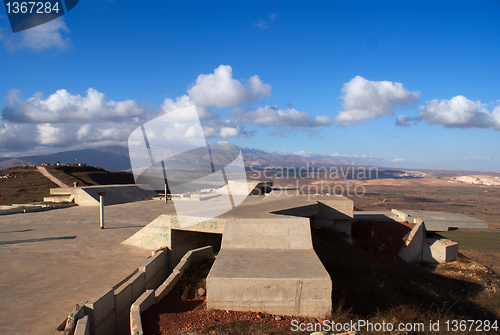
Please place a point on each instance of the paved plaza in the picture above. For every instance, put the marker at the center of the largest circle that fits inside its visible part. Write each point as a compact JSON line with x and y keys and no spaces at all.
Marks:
{"x":50,"y":261}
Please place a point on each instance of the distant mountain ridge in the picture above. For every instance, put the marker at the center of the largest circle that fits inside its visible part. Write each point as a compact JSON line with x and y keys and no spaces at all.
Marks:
{"x":111,"y":158}
{"x":116,"y":158}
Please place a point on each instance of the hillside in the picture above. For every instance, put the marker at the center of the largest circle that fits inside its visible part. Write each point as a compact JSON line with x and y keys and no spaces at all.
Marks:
{"x":24,"y":184}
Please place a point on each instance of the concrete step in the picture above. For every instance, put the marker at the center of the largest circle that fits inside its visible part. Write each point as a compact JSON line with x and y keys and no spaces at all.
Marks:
{"x":59,"y":198}
{"x":284,"y":282}
{"x":269,"y":265}
{"x":62,"y":190}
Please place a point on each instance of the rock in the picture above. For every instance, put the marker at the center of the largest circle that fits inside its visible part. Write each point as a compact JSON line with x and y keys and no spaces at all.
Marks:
{"x":277,"y":318}
{"x":201,"y":292}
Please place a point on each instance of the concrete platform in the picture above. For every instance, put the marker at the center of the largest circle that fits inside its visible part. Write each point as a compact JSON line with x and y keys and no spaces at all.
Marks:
{"x":49,"y":261}
{"x":441,"y":221}
{"x":284,"y":282}
{"x":269,"y":265}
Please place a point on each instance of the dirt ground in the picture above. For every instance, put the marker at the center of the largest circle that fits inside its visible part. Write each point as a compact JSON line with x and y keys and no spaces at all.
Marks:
{"x":24,"y":184}
{"x":173,"y":315}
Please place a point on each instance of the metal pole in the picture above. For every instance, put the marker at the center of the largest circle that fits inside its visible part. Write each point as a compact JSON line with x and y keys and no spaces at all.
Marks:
{"x":166,"y":196}
{"x":101,"y":208}
{"x":101,"y":211}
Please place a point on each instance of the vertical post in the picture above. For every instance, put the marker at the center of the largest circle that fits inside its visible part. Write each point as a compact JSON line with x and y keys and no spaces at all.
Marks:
{"x":101,"y":208}
{"x":166,"y":195}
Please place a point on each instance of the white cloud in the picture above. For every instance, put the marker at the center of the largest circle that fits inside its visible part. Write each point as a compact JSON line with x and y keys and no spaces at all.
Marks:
{"x":282,"y":117}
{"x":460,"y":112}
{"x":48,"y":35}
{"x":28,"y":137}
{"x":368,"y":100}
{"x":224,"y":129}
{"x":64,"y":107}
{"x":221,"y":90}
{"x":66,"y":120}
{"x":169,"y":105}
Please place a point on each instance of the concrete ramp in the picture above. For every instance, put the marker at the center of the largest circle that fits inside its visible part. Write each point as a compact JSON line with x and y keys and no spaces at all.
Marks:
{"x":269,"y":265}
{"x":115,"y":194}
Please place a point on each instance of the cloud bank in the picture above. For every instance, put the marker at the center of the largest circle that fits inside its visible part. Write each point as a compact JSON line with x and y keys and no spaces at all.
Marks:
{"x":460,"y":112}
{"x":283,"y":117}
{"x":369,"y":100}
{"x":65,"y":119}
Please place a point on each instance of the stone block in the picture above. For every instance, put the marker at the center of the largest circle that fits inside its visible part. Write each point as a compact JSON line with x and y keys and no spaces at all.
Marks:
{"x":82,"y":326}
{"x":100,"y":307}
{"x":167,"y":286}
{"x":439,"y":250}
{"x":146,"y":300}
{"x":138,"y":284}
{"x":135,"y":321}
{"x":182,"y":266}
{"x":154,"y":269}
{"x":123,"y":297}
{"x":201,"y":253}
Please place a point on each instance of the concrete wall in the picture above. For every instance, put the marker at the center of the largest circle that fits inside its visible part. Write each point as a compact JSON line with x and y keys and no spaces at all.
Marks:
{"x":158,"y":234}
{"x":152,"y":297}
{"x":83,"y":326}
{"x":267,"y":233}
{"x":336,"y":214}
{"x":108,"y":313}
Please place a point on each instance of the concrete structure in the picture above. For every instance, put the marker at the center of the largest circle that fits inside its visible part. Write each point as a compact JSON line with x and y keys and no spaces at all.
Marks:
{"x":423,"y":245}
{"x":439,"y":250}
{"x":266,"y":249}
{"x":335,"y":213}
{"x":89,"y":195}
{"x":151,"y":297}
{"x":266,"y":261}
{"x":441,"y":221}
{"x":276,"y":271}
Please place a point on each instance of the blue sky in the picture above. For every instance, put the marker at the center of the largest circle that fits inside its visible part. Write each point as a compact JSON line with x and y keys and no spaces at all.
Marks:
{"x":412,"y":84}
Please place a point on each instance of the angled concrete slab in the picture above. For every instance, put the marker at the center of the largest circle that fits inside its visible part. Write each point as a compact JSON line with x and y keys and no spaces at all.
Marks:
{"x":441,"y":221}
{"x":115,"y":194}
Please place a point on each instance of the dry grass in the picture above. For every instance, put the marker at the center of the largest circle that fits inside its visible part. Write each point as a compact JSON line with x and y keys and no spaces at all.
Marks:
{"x":374,"y":287}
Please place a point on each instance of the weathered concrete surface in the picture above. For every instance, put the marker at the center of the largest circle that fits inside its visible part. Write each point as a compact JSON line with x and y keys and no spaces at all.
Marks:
{"x":441,"y":221}
{"x":438,"y":249}
{"x":376,"y":216}
{"x":414,"y":244}
{"x":49,"y":261}
{"x":290,"y":282}
{"x":115,"y":194}
{"x":269,"y":265}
